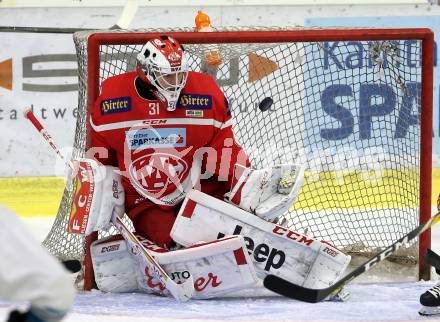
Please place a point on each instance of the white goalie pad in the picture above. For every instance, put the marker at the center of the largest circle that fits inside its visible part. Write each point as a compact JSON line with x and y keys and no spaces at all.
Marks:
{"x":98,"y":195}
{"x":115,"y":270}
{"x":267,"y":193}
{"x":274,"y":249}
{"x":218,"y":268}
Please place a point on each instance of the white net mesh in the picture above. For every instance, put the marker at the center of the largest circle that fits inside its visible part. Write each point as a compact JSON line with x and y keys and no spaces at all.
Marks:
{"x":349,"y":109}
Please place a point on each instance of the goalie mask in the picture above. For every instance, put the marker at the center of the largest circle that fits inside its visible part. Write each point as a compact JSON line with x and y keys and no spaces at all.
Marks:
{"x":162,"y":63}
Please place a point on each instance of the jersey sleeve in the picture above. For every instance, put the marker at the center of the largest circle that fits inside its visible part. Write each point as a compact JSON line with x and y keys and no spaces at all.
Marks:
{"x":229,"y":151}
{"x":29,"y":273}
{"x":100,"y":149}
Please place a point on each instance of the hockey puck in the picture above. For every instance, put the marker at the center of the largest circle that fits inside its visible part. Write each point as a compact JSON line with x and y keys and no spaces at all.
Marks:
{"x":265,"y":104}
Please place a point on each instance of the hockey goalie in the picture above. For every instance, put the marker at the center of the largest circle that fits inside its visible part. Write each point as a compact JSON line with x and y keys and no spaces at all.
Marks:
{"x":163,"y":153}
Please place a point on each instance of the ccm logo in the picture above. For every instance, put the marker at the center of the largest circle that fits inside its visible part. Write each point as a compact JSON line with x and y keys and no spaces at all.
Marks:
{"x":110,"y":248}
{"x":154,"y":122}
{"x":387,"y":252}
{"x":292,"y":235}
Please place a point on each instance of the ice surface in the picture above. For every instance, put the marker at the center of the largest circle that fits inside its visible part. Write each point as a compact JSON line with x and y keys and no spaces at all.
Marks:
{"x":368,"y":302}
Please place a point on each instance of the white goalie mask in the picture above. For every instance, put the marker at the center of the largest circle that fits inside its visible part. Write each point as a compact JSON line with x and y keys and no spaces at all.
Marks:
{"x":162,"y":63}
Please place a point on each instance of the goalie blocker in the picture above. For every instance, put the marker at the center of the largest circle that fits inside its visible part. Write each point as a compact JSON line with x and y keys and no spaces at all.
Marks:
{"x":98,"y":195}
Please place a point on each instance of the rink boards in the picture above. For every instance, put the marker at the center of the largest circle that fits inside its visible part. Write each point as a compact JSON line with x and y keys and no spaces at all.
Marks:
{"x":40,"y":196}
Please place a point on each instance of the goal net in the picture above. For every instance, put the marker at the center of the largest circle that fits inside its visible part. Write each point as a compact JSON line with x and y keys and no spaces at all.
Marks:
{"x":355,"y":105}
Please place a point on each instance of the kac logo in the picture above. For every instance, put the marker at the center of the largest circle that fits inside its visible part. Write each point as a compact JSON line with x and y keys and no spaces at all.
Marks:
{"x":157,"y":172}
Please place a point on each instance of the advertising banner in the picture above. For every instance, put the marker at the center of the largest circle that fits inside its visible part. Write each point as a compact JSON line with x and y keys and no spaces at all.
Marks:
{"x":37,"y":71}
{"x":432,"y":22}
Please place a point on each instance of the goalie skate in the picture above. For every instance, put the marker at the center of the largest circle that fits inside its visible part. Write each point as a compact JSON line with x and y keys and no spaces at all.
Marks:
{"x":429,"y":311}
{"x":430,"y":301}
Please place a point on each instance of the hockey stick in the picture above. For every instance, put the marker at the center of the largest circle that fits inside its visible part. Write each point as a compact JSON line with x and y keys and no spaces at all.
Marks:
{"x":31,"y":117}
{"x":127,"y":15}
{"x":128,"y":12}
{"x":281,"y":286}
{"x":72,"y":265}
{"x":181,"y":292}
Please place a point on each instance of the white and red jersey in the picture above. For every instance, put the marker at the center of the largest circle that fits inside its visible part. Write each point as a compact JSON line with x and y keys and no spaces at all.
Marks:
{"x":29,"y":273}
{"x":156,"y":149}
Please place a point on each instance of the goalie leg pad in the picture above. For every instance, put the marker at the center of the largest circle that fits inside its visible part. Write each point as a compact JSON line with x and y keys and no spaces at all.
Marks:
{"x":115,"y":270}
{"x":218,"y":268}
{"x":274,"y":249}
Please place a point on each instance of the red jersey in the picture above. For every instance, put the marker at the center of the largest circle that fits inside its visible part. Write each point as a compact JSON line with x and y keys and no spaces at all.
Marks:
{"x":160,"y":152}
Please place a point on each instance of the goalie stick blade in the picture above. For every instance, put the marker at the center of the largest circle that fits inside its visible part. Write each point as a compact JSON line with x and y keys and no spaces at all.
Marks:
{"x":281,"y":286}
{"x":183,"y":291}
{"x":72,"y":265}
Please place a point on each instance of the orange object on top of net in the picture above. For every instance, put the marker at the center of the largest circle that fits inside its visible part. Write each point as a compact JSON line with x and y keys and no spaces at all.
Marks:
{"x":203,"y":24}
{"x":202,"y":20}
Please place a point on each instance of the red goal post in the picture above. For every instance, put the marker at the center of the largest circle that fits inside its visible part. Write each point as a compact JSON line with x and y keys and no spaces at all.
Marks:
{"x":303,"y":61}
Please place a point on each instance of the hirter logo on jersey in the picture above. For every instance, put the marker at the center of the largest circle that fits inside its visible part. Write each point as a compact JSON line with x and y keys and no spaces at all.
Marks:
{"x":196,"y":101}
{"x":156,"y":138}
{"x":116,"y":105}
{"x":157,"y":172}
